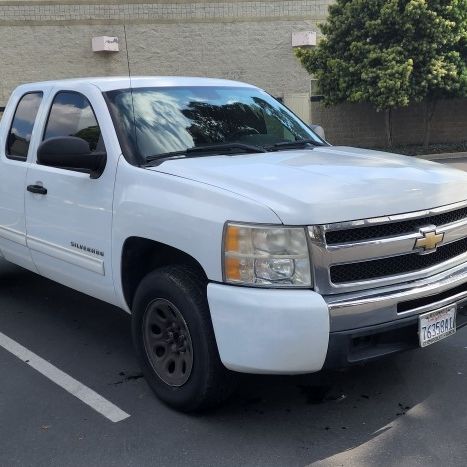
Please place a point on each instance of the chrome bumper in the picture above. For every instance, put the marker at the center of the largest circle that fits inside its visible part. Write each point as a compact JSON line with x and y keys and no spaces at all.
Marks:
{"x":383,"y":305}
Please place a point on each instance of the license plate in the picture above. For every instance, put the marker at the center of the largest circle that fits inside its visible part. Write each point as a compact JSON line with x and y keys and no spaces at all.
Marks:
{"x":436,"y":325}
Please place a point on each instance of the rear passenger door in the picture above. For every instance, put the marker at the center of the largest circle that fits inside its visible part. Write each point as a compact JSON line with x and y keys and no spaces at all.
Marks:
{"x":18,"y":127}
{"x":69,"y":224}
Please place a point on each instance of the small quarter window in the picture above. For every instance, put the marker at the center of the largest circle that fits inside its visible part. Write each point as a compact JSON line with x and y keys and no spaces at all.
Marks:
{"x":71,"y":114}
{"x":19,"y":136}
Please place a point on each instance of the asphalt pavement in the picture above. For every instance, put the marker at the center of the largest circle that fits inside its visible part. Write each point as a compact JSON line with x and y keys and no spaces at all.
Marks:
{"x":407,"y":410}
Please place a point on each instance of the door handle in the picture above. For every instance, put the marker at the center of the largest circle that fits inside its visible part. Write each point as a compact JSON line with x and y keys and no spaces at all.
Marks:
{"x":38,"y":189}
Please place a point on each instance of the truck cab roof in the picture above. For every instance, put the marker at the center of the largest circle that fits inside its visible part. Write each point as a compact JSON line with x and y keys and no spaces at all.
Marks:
{"x":124,"y":82}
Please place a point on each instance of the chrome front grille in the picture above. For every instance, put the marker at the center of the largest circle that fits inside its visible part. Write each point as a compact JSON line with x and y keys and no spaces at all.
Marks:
{"x":393,"y":228}
{"x":369,"y":253}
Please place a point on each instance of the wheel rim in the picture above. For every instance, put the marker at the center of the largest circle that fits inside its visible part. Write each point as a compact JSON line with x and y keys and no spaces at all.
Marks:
{"x":167,"y":342}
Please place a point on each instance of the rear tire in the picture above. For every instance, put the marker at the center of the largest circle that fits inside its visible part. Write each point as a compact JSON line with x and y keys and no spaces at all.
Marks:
{"x":174,"y":340}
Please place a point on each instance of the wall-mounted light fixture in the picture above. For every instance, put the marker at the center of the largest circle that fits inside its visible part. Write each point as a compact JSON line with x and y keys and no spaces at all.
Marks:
{"x":105,"y":44}
{"x":303,"y":39}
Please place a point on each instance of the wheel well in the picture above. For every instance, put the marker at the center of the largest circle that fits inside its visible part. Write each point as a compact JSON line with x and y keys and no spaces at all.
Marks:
{"x":140,"y":256}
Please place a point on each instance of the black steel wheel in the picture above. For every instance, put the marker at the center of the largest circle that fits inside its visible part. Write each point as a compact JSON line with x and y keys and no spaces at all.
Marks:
{"x":168,"y":342}
{"x":175,"y":341}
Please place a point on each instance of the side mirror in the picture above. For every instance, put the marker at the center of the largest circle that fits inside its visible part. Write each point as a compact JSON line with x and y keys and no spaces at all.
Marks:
{"x":71,"y":153}
{"x":319,"y":130}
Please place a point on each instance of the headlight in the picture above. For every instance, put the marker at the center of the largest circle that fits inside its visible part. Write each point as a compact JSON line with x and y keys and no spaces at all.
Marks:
{"x":266,"y":256}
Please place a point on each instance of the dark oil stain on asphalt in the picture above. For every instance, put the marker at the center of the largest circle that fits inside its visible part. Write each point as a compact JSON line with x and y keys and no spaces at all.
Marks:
{"x":314,"y":394}
{"x":403,"y":409}
{"x":130,"y":377}
{"x":320,"y":394}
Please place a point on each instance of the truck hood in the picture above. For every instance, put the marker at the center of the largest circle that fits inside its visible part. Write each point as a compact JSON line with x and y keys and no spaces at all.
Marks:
{"x":328,"y":184}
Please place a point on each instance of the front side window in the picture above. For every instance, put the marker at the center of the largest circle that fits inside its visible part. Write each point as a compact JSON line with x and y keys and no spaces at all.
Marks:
{"x":155,"y":121}
{"x":19,"y":136}
{"x":71,"y":114}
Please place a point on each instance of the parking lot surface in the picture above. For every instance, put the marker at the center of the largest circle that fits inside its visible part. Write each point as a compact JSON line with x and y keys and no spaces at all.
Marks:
{"x":407,"y":410}
{"x":458,"y":163}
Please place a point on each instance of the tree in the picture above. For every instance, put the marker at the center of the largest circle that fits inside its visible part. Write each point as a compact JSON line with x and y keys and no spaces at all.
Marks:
{"x":437,"y":35}
{"x":390,"y":53}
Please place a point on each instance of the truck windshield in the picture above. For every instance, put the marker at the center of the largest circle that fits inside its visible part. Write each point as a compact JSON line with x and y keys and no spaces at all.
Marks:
{"x":153,"y":121}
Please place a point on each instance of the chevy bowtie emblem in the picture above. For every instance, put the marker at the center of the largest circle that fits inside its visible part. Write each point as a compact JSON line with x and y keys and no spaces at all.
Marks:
{"x":429,"y":240}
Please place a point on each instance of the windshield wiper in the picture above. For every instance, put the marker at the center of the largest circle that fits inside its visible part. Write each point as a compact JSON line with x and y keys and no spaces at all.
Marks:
{"x":293,"y":144}
{"x":223,"y":148}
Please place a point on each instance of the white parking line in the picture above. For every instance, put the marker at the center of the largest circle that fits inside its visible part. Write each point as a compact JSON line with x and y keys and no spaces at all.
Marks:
{"x":82,"y":392}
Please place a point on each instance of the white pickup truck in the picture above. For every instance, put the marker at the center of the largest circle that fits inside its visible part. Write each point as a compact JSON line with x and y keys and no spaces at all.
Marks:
{"x":238,"y":239}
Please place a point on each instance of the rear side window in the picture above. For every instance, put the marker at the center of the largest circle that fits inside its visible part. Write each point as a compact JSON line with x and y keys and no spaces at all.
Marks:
{"x":19,"y":136}
{"x":71,"y":114}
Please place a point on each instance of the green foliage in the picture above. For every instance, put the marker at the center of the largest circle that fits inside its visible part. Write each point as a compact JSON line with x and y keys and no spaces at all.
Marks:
{"x":391,"y":52}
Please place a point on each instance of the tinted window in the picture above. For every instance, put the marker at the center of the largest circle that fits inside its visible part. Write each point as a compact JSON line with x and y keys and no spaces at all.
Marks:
{"x":19,"y":136}
{"x":153,"y":121}
{"x":72,"y":115}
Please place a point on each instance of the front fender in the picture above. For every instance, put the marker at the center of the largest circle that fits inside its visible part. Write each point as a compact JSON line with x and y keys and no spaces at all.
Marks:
{"x":179,"y":212}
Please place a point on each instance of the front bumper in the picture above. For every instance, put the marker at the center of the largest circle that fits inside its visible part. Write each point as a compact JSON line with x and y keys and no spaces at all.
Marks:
{"x":363,"y":345}
{"x":298,"y":331}
{"x":269,"y":331}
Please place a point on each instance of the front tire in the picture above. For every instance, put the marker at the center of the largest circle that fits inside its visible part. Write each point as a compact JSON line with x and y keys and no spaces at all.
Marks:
{"x":174,"y":340}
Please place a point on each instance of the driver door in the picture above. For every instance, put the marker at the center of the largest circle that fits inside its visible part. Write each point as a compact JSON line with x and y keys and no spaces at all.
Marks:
{"x":68,"y":214}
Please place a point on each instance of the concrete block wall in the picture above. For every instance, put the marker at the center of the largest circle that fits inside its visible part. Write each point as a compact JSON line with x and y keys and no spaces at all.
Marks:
{"x":244,"y":40}
{"x":361,"y":125}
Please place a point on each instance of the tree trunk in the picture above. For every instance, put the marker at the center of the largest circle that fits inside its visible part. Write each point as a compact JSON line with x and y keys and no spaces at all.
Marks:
{"x":388,"y":125}
{"x":430,"y":106}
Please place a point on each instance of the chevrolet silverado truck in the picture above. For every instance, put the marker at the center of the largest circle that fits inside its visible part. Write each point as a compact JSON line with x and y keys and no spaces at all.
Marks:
{"x":237,"y":238}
